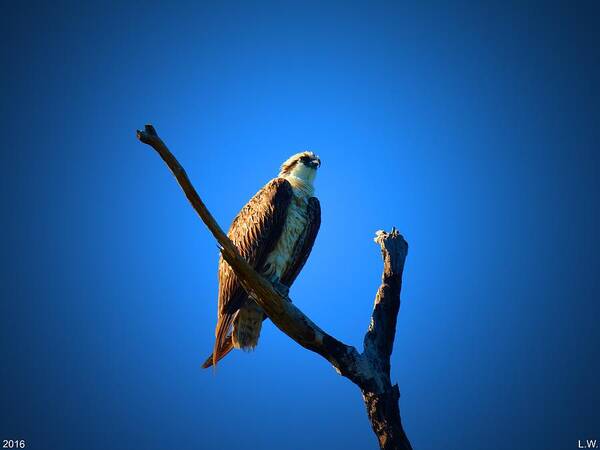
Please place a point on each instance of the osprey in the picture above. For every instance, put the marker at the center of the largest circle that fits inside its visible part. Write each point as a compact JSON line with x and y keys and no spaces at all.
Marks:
{"x":275,"y":233}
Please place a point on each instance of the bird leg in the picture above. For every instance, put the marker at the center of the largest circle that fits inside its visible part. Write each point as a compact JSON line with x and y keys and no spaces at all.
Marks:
{"x":279,"y":286}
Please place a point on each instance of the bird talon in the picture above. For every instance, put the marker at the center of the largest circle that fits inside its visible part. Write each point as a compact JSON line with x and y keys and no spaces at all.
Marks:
{"x":280,"y":287}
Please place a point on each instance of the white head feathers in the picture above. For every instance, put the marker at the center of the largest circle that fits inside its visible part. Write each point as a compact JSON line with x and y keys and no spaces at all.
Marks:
{"x":300,"y":170}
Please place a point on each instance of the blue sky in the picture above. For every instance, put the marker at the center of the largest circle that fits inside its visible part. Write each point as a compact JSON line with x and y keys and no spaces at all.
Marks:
{"x":471,"y":128}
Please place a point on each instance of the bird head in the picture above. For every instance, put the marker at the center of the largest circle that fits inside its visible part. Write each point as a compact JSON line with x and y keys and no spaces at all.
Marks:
{"x":302,"y":165}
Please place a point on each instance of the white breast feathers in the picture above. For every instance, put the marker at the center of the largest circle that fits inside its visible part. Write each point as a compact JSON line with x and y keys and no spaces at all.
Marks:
{"x":297,"y":216}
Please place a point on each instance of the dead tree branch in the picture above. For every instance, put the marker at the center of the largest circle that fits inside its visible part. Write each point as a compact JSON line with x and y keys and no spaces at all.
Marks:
{"x":369,"y":370}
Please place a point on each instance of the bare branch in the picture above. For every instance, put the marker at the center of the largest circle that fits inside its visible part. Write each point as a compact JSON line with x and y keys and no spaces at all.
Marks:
{"x":150,"y":137}
{"x":370,"y":371}
{"x":379,"y":340}
{"x":384,"y":415}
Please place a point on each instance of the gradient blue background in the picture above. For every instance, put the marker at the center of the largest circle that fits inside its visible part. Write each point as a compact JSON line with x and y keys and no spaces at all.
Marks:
{"x":473,"y":129}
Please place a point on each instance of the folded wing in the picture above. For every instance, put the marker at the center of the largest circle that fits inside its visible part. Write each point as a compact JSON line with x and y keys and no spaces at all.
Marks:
{"x":255,"y":232}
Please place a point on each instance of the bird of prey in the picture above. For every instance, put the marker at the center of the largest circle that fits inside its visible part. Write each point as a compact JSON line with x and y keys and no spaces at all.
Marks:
{"x":275,"y":233}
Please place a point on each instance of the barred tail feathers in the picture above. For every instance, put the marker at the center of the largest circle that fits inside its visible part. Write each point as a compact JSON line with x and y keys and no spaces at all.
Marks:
{"x":247,"y":326}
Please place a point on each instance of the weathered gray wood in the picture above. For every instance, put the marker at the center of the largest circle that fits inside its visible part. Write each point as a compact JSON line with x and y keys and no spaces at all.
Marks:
{"x":382,"y":403}
{"x":369,"y":370}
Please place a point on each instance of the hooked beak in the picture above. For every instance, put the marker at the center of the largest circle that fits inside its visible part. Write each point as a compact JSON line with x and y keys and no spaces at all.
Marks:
{"x":315,"y":163}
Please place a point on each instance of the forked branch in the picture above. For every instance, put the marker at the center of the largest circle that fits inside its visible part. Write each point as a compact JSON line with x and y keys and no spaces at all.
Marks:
{"x":370,"y":370}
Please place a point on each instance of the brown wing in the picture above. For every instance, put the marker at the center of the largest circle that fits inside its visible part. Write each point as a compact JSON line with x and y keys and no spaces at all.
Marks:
{"x":301,"y":252}
{"x":223,"y":351}
{"x":305,"y":243}
{"x":254,"y":231}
